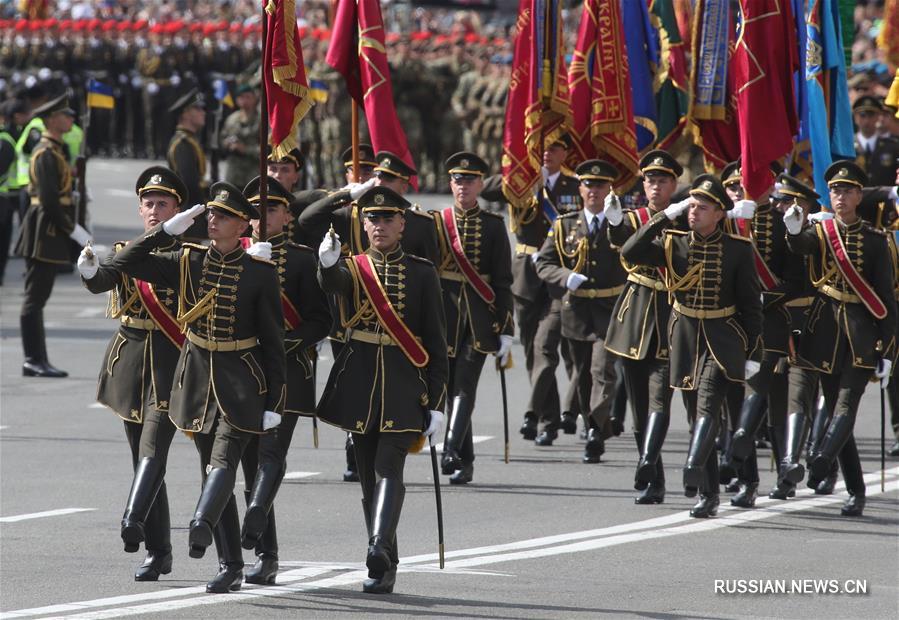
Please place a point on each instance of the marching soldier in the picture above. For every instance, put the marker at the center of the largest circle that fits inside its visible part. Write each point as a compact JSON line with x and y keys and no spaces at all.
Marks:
{"x":396,"y":348}
{"x":139,"y":366}
{"x":47,"y":228}
{"x":638,"y":330}
{"x":306,"y":321}
{"x":716,"y":322}
{"x":240,"y":138}
{"x":475,"y":277}
{"x":878,"y":155}
{"x":288,"y":171}
{"x":578,"y":256}
{"x":852,"y":324}
{"x":185,"y":155}
{"x":230,"y":376}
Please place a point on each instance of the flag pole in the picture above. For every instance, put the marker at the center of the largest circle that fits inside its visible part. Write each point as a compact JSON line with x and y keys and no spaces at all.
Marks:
{"x":263,"y":134}
{"x":355,"y":129}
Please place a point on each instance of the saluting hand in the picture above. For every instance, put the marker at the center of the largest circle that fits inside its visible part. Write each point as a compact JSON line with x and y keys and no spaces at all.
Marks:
{"x":612,"y":209}
{"x":329,"y":250}
{"x":179,"y":223}
{"x":820,"y":216}
{"x":672,"y":212}
{"x":793,"y":219}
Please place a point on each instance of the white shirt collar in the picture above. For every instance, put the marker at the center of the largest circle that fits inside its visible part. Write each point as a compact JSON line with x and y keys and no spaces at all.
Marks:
{"x":866,"y":143}
{"x":551,"y":179}
{"x":588,"y":216}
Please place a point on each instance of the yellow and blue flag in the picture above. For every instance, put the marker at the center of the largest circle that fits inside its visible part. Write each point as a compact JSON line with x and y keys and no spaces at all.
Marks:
{"x":319,"y":90}
{"x":643,"y":57}
{"x":223,"y":93}
{"x":99,"y":95}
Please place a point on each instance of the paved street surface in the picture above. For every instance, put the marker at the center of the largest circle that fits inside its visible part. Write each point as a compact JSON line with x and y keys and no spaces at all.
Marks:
{"x":542,"y":537}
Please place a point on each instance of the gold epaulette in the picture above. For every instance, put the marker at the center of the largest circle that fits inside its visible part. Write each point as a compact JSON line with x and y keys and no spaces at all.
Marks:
{"x":674,"y":231}
{"x":194,"y":246}
{"x":420,"y":213}
{"x":299,"y":246}
{"x":420,"y":259}
{"x":492,"y":214}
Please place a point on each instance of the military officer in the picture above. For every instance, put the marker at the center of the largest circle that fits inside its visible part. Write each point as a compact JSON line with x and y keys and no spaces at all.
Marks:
{"x":139,"y":365}
{"x":396,"y":348}
{"x":185,"y":155}
{"x":476,"y":277}
{"x":240,"y":138}
{"x":878,"y":155}
{"x":716,"y":321}
{"x":852,"y":325}
{"x":288,"y":170}
{"x":230,"y":378}
{"x":578,"y":256}
{"x":47,"y":230}
{"x":638,"y":330}
{"x":306,"y":321}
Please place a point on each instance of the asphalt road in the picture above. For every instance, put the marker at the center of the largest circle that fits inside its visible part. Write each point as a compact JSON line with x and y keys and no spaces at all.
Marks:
{"x":542,"y":537}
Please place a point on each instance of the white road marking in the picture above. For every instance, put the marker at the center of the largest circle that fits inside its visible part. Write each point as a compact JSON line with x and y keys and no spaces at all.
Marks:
{"x":297,"y":475}
{"x":3,"y":428}
{"x":524,"y":550}
{"x":96,"y":406}
{"x":87,"y":313}
{"x":47,"y":513}
{"x":475,"y":439}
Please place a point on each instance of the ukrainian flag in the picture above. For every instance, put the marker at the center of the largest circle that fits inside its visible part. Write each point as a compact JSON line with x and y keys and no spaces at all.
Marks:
{"x":99,"y":95}
{"x":223,"y":94}
{"x":319,"y":90}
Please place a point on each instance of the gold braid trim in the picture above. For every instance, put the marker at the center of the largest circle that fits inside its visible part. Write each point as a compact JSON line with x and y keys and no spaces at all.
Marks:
{"x":364,"y":306}
{"x":672,"y":281}
{"x":579,"y":255}
{"x":201,"y":307}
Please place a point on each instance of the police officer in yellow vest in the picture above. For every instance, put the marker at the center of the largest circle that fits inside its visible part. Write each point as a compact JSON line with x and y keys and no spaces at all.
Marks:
{"x":47,"y":228}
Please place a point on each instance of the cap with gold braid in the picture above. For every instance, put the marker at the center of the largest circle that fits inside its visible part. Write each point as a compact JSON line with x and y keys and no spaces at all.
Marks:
{"x":596,"y":170}
{"x":709,"y":187}
{"x":845,"y":172}
{"x":295,"y":157}
{"x":389,"y":163}
{"x":465,"y":164}
{"x":732,"y":173}
{"x":275,"y":194}
{"x":380,"y":201}
{"x":868,"y":103}
{"x":791,"y":187}
{"x":231,"y":201}
{"x":366,"y":156}
{"x":193,"y":98}
{"x":161,"y":179}
{"x":660,"y":161}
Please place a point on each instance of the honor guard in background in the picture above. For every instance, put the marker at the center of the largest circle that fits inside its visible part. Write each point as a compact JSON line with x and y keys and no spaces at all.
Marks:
{"x":638,"y":330}
{"x":230,"y":378}
{"x":388,"y":383}
{"x":48,"y":228}
{"x":240,"y":138}
{"x":878,"y":155}
{"x":306,"y":321}
{"x":186,"y":157}
{"x":288,"y":171}
{"x":852,"y":326}
{"x":476,"y":276}
{"x":716,"y":322}
{"x":139,"y":367}
{"x":578,"y":256}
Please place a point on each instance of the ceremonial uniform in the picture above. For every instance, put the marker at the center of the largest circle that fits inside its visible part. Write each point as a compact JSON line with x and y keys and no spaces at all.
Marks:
{"x":231,"y":368}
{"x":136,"y":379}
{"x":638,"y":334}
{"x":186,"y":157}
{"x":877,"y":155}
{"x":44,"y":239}
{"x":476,"y":278}
{"x":851,"y":326}
{"x":579,"y":244}
{"x":306,"y":321}
{"x":389,"y":374}
{"x":715,"y":325}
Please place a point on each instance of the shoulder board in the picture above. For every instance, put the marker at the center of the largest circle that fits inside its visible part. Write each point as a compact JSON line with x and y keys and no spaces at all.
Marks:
{"x":194,"y":246}
{"x":299,"y":246}
{"x":426,"y":215}
{"x":118,"y":245}
{"x":435,"y":212}
{"x":877,"y":231}
{"x":498,"y":216}
{"x":739,"y":237}
{"x":674,"y":231}
{"x":259,"y":259}
{"x":420,"y":259}
{"x":572,"y":214}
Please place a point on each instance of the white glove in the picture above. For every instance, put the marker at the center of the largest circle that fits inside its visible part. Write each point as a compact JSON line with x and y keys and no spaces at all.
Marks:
{"x":612,"y":209}
{"x":329,"y":250}
{"x":751,"y":368}
{"x":270,"y":420}
{"x":820,"y":216}
{"x":575,"y":280}
{"x":152,"y":88}
{"x":182,"y":221}
{"x":672,"y":212}
{"x":357,"y":189}
{"x":435,"y":425}
{"x":743,"y":210}
{"x":883,"y":371}
{"x":261,"y":249}
{"x":505,"y":349}
{"x":137,"y":82}
{"x":88,"y":264}
{"x":44,"y":74}
{"x":793,"y":219}
{"x":175,"y":79}
{"x":79,"y":235}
